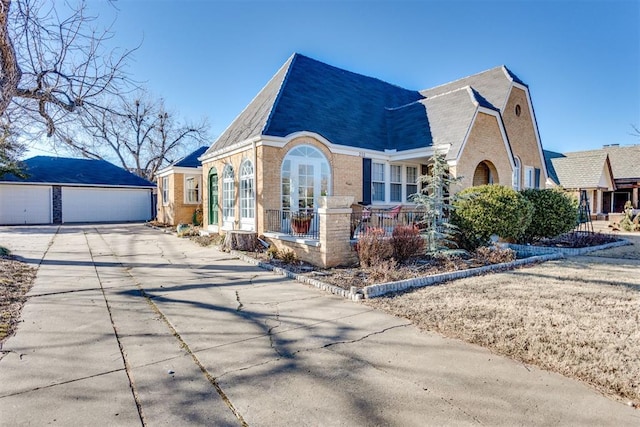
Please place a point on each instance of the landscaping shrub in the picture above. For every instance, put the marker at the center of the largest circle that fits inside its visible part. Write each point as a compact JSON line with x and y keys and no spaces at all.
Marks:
{"x":374,"y":247}
{"x":554,"y":213}
{"x":287,"y":256}
{"x":406,"y":242}
{"x":480,"y":212}
{"x":383,"y":271}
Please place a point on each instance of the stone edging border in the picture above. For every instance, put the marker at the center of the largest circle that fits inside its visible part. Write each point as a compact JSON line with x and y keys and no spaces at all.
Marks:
{"x":373,"y":291}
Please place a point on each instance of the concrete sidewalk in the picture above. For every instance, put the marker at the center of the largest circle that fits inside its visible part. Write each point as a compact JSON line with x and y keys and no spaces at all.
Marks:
{"x":126,"y":326}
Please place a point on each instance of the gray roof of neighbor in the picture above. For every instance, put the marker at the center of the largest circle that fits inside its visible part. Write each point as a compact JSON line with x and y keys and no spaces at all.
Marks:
{"x":191,"y":160}
{"x":354,"y":110}
{"x":62,"y":170}
{"x":625,"y":161}
{"x":577,"y":170}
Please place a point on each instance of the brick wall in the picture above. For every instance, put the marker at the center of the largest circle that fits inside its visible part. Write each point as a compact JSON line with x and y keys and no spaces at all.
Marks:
{"x":176,"y":211}
{"x":484,"y":143}
{"x":521,"y":132}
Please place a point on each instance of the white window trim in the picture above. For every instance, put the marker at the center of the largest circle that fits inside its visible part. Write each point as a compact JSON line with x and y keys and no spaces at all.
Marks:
{"x":165,"y":191}
{"x":387,"y":182}
{"x":198,"y":180}
{"x":517,"y":172}
{"x":529,"y":177}
{"x":247,"y":222}
{"x":228,"y":183}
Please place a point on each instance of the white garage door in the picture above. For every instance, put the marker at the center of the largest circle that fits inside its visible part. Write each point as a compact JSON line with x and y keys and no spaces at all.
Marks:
{"x":25,"y":204}
{"x":105,"y":205}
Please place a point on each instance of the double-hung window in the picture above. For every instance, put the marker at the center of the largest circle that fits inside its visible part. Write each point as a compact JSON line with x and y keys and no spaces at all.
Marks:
{"x":396,"y":183}
{"x":412,"y":181}
{"x":529,"y":177}
{"x":377,"y":182}
{"x":192,"y":189}
{"x":165,"y":190}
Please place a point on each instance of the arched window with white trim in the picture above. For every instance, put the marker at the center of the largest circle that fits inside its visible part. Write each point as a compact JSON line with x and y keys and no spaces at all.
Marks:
{"x":305,"y":176}
{"x":516,"y":173}
{"x":228,"y":197}
{"x":247,"y":196}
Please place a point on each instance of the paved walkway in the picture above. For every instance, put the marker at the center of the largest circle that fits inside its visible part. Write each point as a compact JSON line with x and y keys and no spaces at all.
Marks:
{"x":130,"y":326}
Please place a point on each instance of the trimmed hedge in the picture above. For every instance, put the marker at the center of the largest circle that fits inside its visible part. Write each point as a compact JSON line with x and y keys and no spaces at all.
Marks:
{"x":480,"y":212}
{"x":554,"y":213}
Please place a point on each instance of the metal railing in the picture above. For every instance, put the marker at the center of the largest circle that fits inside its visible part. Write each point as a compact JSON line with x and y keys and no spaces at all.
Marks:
{"x":384,"y":219}
{"x":303,"y":224}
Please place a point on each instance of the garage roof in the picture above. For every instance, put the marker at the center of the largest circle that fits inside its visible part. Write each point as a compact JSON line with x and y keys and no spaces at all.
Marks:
{"x":62,"y":170}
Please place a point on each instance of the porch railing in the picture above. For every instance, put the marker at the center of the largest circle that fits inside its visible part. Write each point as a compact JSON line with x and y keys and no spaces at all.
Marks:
{"x":385,"y":219}
{"x":302,"y":224}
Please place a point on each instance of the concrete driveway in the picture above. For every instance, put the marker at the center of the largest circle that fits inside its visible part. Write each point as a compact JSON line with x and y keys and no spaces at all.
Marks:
{"x":127,"y":325}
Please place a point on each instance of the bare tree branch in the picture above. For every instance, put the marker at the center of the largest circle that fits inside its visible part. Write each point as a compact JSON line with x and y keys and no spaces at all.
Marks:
{"x":55,"y":67}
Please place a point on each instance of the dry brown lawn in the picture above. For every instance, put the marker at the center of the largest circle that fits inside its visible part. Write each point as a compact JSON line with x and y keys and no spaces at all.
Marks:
{"x":579,"y":317}
{"x":16,"y":278}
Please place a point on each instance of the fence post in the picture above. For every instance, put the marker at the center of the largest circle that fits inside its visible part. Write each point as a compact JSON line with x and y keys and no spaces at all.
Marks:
{"x":335,"y":231}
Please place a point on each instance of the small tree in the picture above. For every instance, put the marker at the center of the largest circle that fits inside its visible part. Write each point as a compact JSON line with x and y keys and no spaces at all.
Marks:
{"x":10,"y":151}
{"x":487,"y":210}
{"x":434,"y":198}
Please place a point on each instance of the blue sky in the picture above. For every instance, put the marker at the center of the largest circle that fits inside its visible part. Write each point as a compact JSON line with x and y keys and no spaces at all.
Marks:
{"x":581,"y":59}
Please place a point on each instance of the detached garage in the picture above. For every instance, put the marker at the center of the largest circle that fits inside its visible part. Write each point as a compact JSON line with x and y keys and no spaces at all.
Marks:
{"x":62,"y":190}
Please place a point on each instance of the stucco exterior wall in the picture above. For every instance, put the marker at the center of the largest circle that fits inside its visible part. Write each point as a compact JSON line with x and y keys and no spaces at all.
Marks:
{"x":485,"y":143}
{"x":521,"y":132}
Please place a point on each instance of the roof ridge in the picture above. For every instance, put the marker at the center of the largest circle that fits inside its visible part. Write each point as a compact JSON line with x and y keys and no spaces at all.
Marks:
{"x":289,"y":61}
{"x":463,"y":78}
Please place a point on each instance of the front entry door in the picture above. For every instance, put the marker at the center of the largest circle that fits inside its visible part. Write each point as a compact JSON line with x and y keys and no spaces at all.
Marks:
{"x":213,"y":198}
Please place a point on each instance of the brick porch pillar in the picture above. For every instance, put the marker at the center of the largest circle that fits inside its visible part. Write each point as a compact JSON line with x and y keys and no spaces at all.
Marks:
{"x":335,"y":231}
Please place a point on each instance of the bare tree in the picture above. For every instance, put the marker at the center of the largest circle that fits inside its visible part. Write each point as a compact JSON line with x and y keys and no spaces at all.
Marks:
{"x":54,"y":67}
{"x":140,"y":133}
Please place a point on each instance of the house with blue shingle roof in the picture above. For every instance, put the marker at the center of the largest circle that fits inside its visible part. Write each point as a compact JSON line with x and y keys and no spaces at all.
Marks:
{"x":316,"y":130}
{"x":180,"y":189}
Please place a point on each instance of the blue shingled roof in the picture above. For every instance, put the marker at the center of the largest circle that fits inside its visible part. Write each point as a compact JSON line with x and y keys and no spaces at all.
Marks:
{"x":191,"y":160}
{"x":62,"y":170}
{"x":357,"y":111}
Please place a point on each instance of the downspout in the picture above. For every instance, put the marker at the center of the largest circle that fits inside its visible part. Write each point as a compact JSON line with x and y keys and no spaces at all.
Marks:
{"x":255,"y":185}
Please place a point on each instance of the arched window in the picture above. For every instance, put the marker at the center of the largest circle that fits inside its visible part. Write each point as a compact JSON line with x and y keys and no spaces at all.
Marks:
{"x":247,"y":196}
{"x":228,"y":197}
{"x":516,"y":174}
{"x":305,"y":176}
{"x":213,"y":196}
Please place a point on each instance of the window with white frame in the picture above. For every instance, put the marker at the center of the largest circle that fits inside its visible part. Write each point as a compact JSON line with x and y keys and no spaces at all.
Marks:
{"x":247,"y":194}
{"x":411,"y":181}
{"x":377,"y":182}
{"x":529,"y":177}
{"x":395,"y":193}
{"x":165,"y":190}
{"x":305,"y":176}
{"x":192,"y":189}
{"x":228,"y":196}
{"x":516,"y":174}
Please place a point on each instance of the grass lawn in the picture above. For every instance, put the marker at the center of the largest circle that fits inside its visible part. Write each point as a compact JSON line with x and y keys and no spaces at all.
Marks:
{"x":579,"y":316}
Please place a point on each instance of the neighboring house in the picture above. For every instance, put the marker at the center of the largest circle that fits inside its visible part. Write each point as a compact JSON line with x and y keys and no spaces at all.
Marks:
{"x":582,"y":166}
{"x":180,"y":189}
{"x":588,"y":170}
{"x":63,"y":190}
{"x":317,"y":130}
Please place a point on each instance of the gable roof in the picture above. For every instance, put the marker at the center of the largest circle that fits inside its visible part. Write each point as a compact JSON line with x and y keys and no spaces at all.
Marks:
{"x":625,"y":161}
{"x":191,"y":160}
{"x":579,"y":170}
{"x":62,"y":170}
{"x":357,"y":111}
{"x":493,"y":84}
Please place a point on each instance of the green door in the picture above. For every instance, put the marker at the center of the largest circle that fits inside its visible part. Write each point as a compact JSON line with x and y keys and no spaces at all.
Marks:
{"x":213,"y":197}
